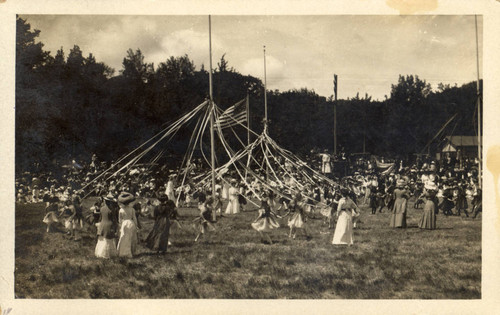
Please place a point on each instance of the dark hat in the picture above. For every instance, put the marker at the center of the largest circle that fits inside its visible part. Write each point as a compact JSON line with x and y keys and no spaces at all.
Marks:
{"x":162,"y":198}
{"x":125,"y":198}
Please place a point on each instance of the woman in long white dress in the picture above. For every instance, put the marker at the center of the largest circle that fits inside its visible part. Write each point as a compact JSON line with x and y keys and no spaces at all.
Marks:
{"x":233,"y":206}
{"x":170,"y":190}
{"x":325,"y":166}
{"x":128,"y":225}
{"x":343,"y":231}
{"x":225,"y":190}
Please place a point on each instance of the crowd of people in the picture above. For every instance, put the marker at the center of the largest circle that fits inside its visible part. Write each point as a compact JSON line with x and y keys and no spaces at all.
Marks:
{"x":152,"y":192}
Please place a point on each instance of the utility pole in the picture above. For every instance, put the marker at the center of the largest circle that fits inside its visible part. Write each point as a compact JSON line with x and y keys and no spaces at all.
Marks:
{"x":335,"y":115}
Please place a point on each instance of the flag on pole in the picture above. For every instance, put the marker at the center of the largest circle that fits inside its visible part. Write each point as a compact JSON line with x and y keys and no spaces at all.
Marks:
{"x":234,"y":115}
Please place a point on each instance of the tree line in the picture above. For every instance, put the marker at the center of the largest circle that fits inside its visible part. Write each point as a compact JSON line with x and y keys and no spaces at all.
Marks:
{"x":70,"y":106}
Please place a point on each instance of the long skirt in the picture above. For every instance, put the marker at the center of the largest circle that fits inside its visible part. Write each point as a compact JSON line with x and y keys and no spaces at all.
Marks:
{"x":266,"y":224}
{"x":157,"y":239}
{"x":105,"y":248}
{"x":225,"y":192}
{"x":428,"y":220}
{"x":128,"y":239}
{"x":233,"y":206}
{"x":343,"y":230}
{"x":398,"y":216}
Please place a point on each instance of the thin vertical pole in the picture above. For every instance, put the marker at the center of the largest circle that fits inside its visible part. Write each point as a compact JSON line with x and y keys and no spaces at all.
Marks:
{"x":265,"y":110}
{"x":265,"y":86}
{"x":248,"y":133}
{"x":335,"y":115}
{"x":212,"y":110}
{"x":248,"y":118}
{"x":479,"y":156}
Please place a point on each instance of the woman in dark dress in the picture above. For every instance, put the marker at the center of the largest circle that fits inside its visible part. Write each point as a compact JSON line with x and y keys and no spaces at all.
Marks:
{"x":400,"y":196}
{"x":157,"y":239}
{"x":428,"y":220}
{"x":461,"y":202}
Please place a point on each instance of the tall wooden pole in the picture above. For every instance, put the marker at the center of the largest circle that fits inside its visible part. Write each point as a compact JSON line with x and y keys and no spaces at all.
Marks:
{"x":212,"y":110}
{"x":248,"y":118}
{"x":265,"y":87}
{"x":335,"y":114}
{"x":479,"y":156}
{"x":265,"y":111}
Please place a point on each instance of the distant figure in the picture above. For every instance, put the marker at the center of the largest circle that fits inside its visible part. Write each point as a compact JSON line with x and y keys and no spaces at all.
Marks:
{"x":170,"y":190}
{"x":233,"y":207}
{"x":51,"y":212}
{"x":325,"y":163}
{"x":203,"y":221}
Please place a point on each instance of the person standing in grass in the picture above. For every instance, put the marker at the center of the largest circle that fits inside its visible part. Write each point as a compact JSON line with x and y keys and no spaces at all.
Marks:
{"x":461,"y":200}
{"x":298,"y":219}
{"x":428,"y":220}
{"x":203,"y":221}
{"x":344,"y":229}
{"x":51,"y":212}
{"x":128,"y":225}
{"x":68,"y":213}
{"x":400,"y":195}
{"x":157,"y":239}
{"x":106,"y":243}
{"x":266,"y":221}
{"x":233,"y":206}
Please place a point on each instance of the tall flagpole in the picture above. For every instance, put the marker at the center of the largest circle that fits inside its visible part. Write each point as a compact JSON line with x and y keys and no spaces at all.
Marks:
{"x":265,"y":109}
{"x":479,"y":157}
{"x":211,"y":108}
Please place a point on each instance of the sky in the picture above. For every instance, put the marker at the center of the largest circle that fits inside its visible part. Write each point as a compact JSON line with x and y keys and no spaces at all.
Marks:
{"x":368,"y":53}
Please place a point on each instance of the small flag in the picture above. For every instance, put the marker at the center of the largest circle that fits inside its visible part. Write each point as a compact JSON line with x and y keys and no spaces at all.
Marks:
{"x":236,"y":114}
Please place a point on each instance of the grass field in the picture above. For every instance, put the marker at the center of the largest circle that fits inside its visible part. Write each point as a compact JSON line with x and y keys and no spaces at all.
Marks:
{"x":232,"y":263}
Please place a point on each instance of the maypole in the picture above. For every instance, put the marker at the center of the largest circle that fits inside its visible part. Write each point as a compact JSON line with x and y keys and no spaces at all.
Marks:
{"x":479,"y":157}
{"x":265,"y":108}
{"x":211,"y":108}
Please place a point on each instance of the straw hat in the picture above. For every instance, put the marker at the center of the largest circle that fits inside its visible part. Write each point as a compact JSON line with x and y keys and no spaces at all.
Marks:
{"x":109,"y":197}
{"x":430,"y":186}
{"x":125,"y":198}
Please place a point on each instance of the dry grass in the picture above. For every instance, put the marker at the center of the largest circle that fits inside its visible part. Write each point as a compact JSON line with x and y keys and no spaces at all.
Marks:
{"x":232,"y":263}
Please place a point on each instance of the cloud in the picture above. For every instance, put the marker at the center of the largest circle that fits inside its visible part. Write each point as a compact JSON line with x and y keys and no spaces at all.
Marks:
{"x":275,"y":69}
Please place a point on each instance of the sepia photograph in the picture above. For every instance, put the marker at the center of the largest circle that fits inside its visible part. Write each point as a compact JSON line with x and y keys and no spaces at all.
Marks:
{"x":302,"y":157}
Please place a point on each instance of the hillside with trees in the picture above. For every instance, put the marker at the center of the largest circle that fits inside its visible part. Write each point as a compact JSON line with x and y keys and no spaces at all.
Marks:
{"x":70,"y":106}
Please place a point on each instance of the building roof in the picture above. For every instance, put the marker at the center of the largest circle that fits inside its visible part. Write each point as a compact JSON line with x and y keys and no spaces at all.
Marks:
{"x":462,"y":141}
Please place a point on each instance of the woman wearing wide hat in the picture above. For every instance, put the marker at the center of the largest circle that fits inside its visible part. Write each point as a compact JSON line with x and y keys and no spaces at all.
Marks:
{"x":428,"y":220}
{"x":400,"y":195}
{"x":128,"y":225}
